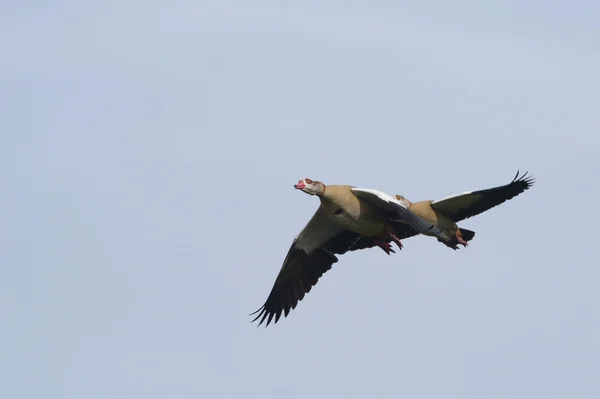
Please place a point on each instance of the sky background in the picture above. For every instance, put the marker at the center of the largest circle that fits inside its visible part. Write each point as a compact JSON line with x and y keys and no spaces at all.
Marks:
{"x":147,"y":155}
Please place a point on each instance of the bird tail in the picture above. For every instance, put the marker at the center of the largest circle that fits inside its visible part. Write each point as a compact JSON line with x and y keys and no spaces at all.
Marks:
{"x":467,"y":235}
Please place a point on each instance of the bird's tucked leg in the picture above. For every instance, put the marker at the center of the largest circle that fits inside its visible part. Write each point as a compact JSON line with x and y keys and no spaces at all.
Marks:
{"x":394,"y":238}
{"x":460,"y":239}
{"x":455,"y":240}
{"x":387,"y":248}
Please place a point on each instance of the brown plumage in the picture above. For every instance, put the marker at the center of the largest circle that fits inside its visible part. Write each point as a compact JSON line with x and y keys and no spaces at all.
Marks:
{"x":347,"y":219}
{"x":446,"y":212}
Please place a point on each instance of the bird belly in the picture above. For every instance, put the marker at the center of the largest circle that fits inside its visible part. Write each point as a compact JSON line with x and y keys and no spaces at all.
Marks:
{"x":424,"y":210}
{"x":365,"y":227}
{"x":445,"y":224}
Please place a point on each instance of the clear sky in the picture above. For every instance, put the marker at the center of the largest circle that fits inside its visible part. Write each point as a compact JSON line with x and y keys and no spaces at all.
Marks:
{"x":148,"y":151}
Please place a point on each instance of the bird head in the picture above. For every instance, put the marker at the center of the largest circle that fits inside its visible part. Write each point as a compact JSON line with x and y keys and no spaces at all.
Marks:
{"x":311,"y":187}
{"x":403,"y":200}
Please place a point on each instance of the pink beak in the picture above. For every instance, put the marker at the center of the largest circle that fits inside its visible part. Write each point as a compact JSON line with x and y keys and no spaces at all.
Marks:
{"x":300,"y":185}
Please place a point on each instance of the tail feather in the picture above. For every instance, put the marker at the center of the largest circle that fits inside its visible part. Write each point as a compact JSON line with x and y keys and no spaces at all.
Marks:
{"x":467,"y":235}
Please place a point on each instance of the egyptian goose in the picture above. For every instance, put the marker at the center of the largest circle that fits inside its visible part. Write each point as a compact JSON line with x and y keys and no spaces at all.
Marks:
{"x":348,"y":218}
{"x":446,"y":212}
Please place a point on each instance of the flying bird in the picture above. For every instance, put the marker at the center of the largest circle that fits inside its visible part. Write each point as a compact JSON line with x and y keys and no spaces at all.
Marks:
{"x":347,"y":219}
{"x":446,"y":212}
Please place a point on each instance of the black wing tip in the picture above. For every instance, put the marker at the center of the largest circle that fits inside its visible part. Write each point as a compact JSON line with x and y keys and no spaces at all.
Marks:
{"x":264,"y":314}
{"x":282,"y":300}
{"x":524,"y":179}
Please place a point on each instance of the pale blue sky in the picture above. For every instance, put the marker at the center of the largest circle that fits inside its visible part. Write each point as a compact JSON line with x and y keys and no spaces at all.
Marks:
{"x":148,"y":151}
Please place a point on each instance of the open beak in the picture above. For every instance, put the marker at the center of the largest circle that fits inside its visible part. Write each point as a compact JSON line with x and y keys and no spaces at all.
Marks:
{"x":299,"y":186}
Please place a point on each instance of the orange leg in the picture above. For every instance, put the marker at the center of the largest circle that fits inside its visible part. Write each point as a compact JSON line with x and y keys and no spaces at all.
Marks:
{"x":394,"y":238}
{"x":387,"y":248}
{"x":460,"y":239}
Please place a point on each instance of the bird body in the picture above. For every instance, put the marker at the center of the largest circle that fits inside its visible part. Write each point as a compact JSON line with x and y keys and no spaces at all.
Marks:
{"x":353,"y":213}
{"x":347,"y":219}
{"x":424,"y":210}
{"x":445,"y":213}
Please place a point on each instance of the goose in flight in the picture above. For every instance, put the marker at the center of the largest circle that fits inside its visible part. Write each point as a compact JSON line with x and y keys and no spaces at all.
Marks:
{"x":347,"y":219}
{"x":446,"y":212}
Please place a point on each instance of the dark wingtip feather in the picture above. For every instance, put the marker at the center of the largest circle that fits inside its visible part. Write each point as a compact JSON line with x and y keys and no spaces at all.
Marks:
{"x":255,"y":312}
{"x":301,"y":272}
{"x":527,"y":180}
{"x":262,"y":311}
{"x":517,"y":175}
{"x":492,"y":197}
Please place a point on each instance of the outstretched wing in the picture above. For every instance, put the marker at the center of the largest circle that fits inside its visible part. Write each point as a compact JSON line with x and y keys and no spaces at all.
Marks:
{"x":311,"y":255}
{"x":398,"y":212}
{"x":465,"y":205}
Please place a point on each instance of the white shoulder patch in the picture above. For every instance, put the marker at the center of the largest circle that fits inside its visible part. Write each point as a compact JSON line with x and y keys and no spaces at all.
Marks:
{"x":453,"y":197}
{"x":369,"y":192}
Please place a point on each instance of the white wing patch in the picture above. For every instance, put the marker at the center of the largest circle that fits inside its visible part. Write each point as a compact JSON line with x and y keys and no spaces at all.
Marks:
{"x":454,"y":203}
{"x":466,"y":193}
{"x":379,"y":194}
